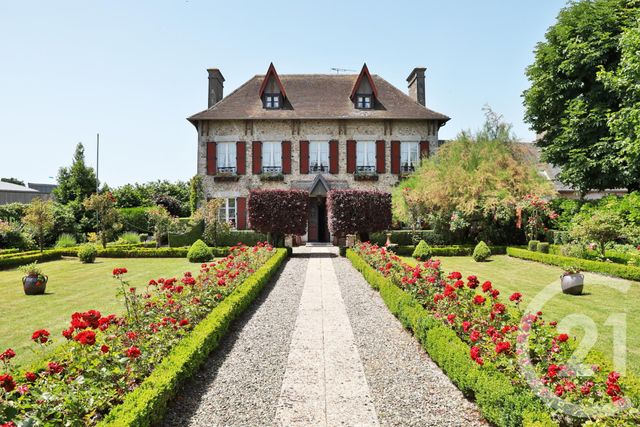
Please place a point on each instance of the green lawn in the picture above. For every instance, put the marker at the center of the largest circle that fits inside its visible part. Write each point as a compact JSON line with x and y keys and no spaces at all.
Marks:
{"x":72,"y":287}
{"x":603,"y":297}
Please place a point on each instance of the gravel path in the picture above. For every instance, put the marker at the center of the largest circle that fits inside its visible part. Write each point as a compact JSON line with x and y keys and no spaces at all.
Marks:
{"x":240,"y":384}
{"x":408,"y":388}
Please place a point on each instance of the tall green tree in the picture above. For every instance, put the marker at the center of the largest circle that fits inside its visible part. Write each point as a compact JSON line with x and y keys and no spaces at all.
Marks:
{"x":569,"y":106}
{"x":76,"y":182}
{"x":107,"y":216}
{"x":39,"y":219}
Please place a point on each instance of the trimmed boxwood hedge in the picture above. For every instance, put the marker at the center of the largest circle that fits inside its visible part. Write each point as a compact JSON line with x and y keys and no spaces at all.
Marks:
{"x":20,"y":259}
{"x":147,"y":404}
{"x":177,"y":240}
{"x":612,"y":269}
{"x":500,"y":402}
{"x":147,"y":252}
{"x":454,"y":250}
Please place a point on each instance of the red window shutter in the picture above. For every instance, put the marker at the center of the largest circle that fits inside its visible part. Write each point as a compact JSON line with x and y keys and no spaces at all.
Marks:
{"x":286,"y":157}
{"x":424,"y":149}
{"x":351,"y":156}
{"x":241,"y":205}
{"x":380,"y":166}
{"x":211,"y":158}
{"x":241,"y":157}
{"x":256,"y":156}
{"x":395,"y":157}
{"x":304,"y":156}
{"x":333,"y":156}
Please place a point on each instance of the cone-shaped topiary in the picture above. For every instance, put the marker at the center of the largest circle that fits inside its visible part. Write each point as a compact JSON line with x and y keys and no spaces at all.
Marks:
{"x":481,"y":252}
{"x":87,"y":253}
{"x":422,"y":251}
{"x":199,"y":252}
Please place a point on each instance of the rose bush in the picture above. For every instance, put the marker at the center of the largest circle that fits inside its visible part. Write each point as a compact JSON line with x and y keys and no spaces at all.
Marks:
{"x":499,"y":333}
{"x":108,"y":356}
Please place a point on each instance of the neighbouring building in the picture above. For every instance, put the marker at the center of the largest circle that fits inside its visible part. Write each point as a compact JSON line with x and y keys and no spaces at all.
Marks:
{"x":314,"y":132}
{"x":13,"y":193}
{"x":534,"y":154}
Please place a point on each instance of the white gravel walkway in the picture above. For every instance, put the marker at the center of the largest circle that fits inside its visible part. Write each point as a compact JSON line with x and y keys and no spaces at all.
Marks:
{"x":320,"y":348}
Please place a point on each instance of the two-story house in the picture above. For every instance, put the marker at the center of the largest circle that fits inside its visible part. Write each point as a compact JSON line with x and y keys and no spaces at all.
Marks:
{"x":314,"y":132}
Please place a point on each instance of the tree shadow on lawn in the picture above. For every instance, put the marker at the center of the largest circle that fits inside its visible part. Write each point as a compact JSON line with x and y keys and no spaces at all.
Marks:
{"x":189,"y":394}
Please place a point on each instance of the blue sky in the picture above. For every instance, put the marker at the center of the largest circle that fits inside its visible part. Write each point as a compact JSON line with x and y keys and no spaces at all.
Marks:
{"x":134,"y":71}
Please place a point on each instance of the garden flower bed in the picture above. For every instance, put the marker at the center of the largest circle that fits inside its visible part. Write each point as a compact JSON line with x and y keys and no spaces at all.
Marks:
{"x":136,"y":360}
{"x":509,"y":360}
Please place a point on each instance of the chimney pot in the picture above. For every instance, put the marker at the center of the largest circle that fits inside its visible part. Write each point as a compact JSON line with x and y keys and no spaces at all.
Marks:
{"x":417,"y":89}
{"x":216,"y":86}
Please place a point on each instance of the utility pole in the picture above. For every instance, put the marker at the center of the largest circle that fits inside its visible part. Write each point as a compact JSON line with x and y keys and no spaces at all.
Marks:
{"x":97,"y":161}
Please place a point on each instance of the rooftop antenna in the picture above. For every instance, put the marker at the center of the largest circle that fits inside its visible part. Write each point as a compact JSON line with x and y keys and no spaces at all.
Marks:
{"x":341,"y":70}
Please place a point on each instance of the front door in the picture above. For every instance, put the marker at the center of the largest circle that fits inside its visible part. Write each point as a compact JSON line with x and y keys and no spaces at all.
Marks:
{"x":318,"y":230}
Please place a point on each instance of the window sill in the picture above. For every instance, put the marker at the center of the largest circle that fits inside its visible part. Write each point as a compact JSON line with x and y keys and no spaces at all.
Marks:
{"x":226,"y":178}
{"x":365,"y":176}
{"x":269,"y":177}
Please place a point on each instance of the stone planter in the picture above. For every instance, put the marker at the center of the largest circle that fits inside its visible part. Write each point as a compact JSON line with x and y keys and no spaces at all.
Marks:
{"x":226,"y":178}
{"x":572,"y":284}
{"x":34,"y":285}
{"x":365,"y":177}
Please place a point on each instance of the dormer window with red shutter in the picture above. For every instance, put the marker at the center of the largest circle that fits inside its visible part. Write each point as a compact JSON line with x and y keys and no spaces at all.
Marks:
{"x":272,"y":90}
{"x":364,"y":92}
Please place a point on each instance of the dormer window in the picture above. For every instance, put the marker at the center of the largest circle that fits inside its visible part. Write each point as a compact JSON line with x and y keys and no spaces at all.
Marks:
{"x":364,"y":102}
{"x":364,"y":93}
{"x":272,"y":101}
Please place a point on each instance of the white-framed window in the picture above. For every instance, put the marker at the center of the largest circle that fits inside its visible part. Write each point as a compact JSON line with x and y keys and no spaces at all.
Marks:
{"x":365,"y":156}
{"x":227,"y":211}
{"x":409,"y":156}
{"x":272,"y":100}
{"x":226,"y":157}
{"x":272,"y":156}
{"x":364,"y":101}
{"x":319,"y":156}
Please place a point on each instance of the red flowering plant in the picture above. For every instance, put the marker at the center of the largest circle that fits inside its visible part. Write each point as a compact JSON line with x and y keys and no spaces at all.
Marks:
{"x":501,"y":334}
{"x":107,"y":356}
{"x":535,"y":212}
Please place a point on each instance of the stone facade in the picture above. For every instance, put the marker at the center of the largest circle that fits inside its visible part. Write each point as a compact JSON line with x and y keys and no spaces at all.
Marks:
{"x":309,"y":130}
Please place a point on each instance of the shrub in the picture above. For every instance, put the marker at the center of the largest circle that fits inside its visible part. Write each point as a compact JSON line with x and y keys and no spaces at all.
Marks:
{"x":171,"y":204}
{"x":481,"y":252}
{"x":573,"y":250}
{"x":358,"y":211}
{"x":66,"y":240}
{"x":543,"y":247}
{"x":248,"y":237}
{"x":193,"y":233}
{"x":87,"y":253}
{"x":136,"y":219}
{"x":422,"y":252}
{"x":602,"y":227}
{"x":533,"y":245}
{"x":278,"y":212}
{"x":199,"y":252}
{"x":128,"y":238}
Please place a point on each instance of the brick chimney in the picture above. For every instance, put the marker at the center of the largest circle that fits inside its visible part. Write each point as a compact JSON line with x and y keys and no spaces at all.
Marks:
{"x":417,"y":89}
{"x":216,"y":86}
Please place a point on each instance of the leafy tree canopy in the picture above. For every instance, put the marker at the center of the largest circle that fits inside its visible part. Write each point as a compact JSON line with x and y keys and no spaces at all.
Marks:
{"x":577,"y":87}
{"x":77,"y":182}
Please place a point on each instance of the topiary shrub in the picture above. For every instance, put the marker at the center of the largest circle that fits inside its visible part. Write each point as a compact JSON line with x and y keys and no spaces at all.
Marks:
{"x":481,"y":252}
{"x":422,"y":251}
{"x":533,"y":245}
{"x":278,"y":212}
{"x":199,"y":252}
{"x":543,"y":247}
{"x":358,"y":212}
{"x":87,"y":253}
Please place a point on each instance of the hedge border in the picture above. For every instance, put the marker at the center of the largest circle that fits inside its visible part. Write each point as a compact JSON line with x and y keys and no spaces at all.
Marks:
{"x":147,"y":403}
{"x":19,"y":260}
{"x":452,"y":250}
{"x":612,"y":269}
{"x":499,"y":401}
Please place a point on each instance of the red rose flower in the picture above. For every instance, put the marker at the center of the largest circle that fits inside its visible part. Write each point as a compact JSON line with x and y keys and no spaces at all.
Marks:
{"x":486,"y":286}
{"x":7,"y":383}
{"x":451,"y":317}
{"x":479,"y":299}
{"x":86,"y":337}
{"x":55,"y":368}
{"x":466,"y":325}
{"x":8,"y":424}
{"x":104,"y":348}
{"x":119,"y":271}
{"x":562,"y":337}
{"x":7,"y":355}
{"x":503,"y":347}
{"x":474,"y":336}
{"x":40,"y":336}
{"x":516,"y":296}
{"x":30,"y":376}
{"x":184,"y":322}
{"x":133,"y":352}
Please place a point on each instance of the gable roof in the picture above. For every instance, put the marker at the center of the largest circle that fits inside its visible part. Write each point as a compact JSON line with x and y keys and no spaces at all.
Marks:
{"x":317,"y":96}
{"x":271,"y":72}
{"x":364,"y":74}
